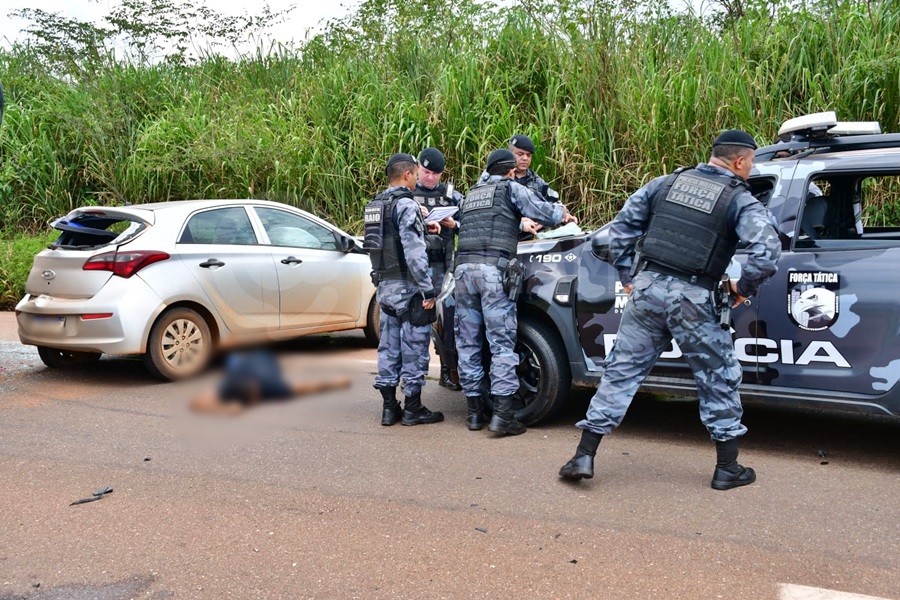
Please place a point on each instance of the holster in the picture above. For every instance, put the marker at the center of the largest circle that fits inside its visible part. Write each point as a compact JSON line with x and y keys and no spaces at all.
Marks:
{"x":513,"y":277}
{"x":416,"y":314}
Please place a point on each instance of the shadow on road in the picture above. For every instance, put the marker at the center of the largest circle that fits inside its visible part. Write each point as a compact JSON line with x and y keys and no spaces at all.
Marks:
{"x":840,"y":436}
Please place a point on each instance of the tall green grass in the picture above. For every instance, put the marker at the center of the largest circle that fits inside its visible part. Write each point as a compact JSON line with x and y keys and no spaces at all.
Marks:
{"x":612,"y":98}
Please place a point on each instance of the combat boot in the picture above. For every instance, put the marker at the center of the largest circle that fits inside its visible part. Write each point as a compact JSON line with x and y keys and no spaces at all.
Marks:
{"x":392,"y":411}
{"x":416,"y":414}
{"x":729,"y":474}
{"x":475,"y":421}
{"x":582,"y":464}
{"x":447,"y":381}
{"x":504,"y":421}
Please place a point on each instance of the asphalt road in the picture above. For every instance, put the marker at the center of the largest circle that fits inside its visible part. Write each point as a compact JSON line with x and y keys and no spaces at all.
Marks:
{"x":314,"y":499}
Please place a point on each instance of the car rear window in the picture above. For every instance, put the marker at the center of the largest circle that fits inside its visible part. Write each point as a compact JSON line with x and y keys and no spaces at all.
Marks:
{"x":94,"y":231}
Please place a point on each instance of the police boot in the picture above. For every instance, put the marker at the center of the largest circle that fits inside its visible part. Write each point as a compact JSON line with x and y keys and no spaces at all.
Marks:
{"x":416,"y":414}
{"x":504,"y":421}
{"x":582,"y":464}
{"x":392,"y":411}
{"x":729,"y":474}
{"x":475,"y":421}
{"x":447,"y":380}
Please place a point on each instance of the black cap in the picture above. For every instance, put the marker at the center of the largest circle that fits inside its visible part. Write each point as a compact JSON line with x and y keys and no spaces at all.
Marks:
{"x":432,"y":159}
{"x":521,"y":141}
{"x":735,"y":137}
{"x":500,"y":161}
{"x":399,"y":157}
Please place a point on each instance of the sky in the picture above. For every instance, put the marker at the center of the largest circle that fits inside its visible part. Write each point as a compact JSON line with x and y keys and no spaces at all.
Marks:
{"x":307,"y":16}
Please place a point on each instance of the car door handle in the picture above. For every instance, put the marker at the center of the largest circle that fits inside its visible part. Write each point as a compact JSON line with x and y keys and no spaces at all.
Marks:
{"x":291,"y":260}
{"x":212,"y":262}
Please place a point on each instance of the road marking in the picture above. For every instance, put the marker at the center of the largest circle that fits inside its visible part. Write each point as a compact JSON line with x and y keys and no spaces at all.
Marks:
{"x":790,"y":591}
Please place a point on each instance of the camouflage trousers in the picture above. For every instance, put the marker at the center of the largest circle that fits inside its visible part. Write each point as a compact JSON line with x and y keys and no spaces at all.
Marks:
{"x":438,"y":270}
{"x":403,"y":347}
{"x":661,"y":308}
{"x":483,"y":309}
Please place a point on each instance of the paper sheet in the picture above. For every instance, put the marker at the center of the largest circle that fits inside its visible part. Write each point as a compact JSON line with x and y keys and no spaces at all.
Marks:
{"x":441,"y":212}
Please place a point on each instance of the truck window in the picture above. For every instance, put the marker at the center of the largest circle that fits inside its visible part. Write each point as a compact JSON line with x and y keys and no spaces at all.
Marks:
{"x":850,"y":211}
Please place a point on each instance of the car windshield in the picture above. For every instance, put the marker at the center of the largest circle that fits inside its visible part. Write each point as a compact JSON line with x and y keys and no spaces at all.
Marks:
{"x":94,"y":231}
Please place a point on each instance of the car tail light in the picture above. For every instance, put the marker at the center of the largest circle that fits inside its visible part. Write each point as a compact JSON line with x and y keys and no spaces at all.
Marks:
{"x":124,"y":264}
{"x":92,"y":316}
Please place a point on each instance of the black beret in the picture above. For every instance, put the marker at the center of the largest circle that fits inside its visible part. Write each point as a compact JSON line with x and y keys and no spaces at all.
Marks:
{"x":500,"y":158}
{"x":735,"y":137}
{"x":399,"y":157}
{"x":522,"y":141}
{"x":432,"y":159}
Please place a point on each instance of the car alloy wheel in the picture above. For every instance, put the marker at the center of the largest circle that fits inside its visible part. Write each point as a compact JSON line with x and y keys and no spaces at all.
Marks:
{"x":180,"y":345}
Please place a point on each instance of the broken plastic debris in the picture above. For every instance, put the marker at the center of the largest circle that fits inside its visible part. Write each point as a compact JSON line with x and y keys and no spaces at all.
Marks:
{"x":86,"y":500}
{"x":103,"y":491}
{"x":481,"y":529}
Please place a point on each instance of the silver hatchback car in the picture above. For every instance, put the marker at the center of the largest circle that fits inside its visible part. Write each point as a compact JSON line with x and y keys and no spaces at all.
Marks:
{"x":174,"y":281}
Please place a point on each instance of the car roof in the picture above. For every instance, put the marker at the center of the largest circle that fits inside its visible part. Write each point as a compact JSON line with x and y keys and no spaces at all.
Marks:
{"x":872,"y":158}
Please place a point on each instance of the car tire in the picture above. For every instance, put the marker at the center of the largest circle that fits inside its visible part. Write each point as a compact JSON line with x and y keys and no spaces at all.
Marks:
{"x":179,"y":346}
{"x":66,"y":359}
{"x":543,"y":370}
{"x":373,"y":323}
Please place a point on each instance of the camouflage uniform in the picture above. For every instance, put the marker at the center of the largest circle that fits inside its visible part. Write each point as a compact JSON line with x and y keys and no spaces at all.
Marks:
{"x":403,"y":348}
{"x":536,"y":184}
{"x":439,"y":268}
{"x":483,"y":308}
{"x":663,"y":307}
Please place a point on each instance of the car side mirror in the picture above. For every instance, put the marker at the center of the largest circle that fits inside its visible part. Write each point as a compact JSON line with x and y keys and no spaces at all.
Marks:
{"x":344,"y":243}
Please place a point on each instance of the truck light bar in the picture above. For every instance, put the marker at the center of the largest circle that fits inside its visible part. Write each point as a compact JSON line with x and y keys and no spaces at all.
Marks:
{"x":856,"y":128}
{"x":816,"y":123}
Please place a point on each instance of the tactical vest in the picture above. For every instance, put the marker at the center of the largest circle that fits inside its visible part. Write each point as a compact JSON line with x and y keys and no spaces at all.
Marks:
{"x":438,"y":246}
{"x":489,"y":222}
{"x":382,"y":237}
{"x":688,"y":231}
{"x":531,"y":181}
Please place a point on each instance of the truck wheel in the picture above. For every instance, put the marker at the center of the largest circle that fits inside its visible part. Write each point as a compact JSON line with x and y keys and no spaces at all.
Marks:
{"x":66,"y":359}
{"x":180,"y":345}
{"x":373,"y":322}
{"x":544,"y":376}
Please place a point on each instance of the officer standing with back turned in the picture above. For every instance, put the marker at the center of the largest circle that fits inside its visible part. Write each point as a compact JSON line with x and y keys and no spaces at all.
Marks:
{"x":395,"y":239}
{"x":485,"y":290}
{"x":431,"y":193}
{"x":676,"y":236}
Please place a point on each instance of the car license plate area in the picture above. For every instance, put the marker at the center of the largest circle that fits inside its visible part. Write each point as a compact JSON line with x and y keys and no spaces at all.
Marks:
{"x":44,"y":325}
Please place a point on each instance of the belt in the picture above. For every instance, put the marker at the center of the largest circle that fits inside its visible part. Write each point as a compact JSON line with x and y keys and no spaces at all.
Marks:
{"x":499,"y":261}
{"x":704,"y":281}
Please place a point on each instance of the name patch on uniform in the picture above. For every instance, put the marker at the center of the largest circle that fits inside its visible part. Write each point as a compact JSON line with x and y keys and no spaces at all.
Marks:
{"x":695,"y":192}
{"x":372,"y":214}
{"x":479,"y":199}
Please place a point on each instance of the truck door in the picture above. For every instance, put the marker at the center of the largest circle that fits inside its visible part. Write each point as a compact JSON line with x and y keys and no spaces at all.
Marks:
{"x":829,"y":319}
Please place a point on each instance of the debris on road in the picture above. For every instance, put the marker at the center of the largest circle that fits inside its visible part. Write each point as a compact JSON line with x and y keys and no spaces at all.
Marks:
{"x":97,"y":495}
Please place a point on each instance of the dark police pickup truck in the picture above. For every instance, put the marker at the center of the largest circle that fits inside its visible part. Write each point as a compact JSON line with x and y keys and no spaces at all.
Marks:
{"x":824,"y":331}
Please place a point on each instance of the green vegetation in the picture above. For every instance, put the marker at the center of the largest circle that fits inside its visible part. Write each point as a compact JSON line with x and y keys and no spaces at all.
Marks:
{"x":16,"y":254}
{"x":613,"y":93}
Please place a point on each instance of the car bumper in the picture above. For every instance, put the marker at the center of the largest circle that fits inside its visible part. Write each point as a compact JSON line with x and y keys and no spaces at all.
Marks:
{"x":60,"y":322}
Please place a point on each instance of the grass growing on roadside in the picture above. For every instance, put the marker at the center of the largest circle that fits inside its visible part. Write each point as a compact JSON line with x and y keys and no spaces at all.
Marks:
{"x":612,"y":98}
{"x":17,"y":252}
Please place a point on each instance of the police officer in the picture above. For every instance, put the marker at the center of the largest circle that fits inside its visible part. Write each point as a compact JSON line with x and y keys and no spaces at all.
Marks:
{"x":395,"y":238}
{"x":523,"y":149}
{"x":430,"y":193}
{"x":488,"y":236}
{"x":678,"y":233}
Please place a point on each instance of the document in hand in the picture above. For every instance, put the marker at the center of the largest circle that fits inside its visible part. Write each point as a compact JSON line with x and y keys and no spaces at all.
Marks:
{"x":441,"y":212}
